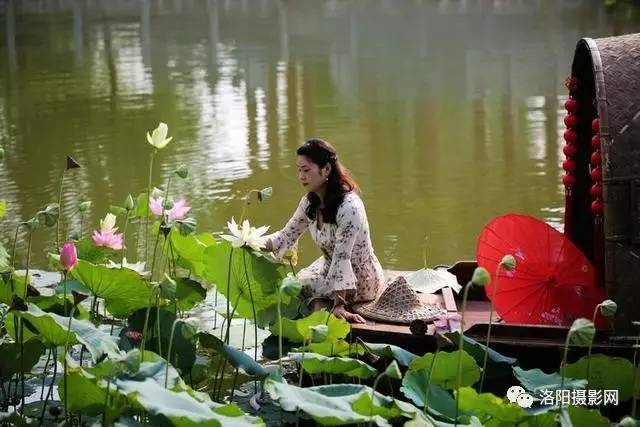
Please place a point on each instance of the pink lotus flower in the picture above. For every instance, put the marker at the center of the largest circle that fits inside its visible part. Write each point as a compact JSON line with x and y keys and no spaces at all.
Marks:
{"x":107,"y":239}
{"x":178,"y":211}
{"x":68,"y":256}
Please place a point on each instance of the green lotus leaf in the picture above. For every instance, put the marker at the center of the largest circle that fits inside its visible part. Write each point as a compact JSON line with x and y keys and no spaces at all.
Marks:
{"x":580,"y":416}
{"x":236,"y":357}
{"x":340,"y":404}
{"x":536,"y":380}
{"x":389,"y":351}
{"x":445,"y":368}
{"x":440,"y":403}
{"x":315,"y":363}
{"x":254,"y":282}
{"x":298,"y":330}
{"x":123,"y":290}
{"x":13,"y":359}
{"x":490,"y":409}
{"x":52,"y":330}
{"x":607,"y":373}
{"x":188,"y":251}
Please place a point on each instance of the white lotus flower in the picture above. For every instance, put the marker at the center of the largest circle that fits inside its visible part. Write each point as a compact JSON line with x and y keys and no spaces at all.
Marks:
{"x":246,"y":235}
{"x":108,"y":224}
{"x":158,"y":138}
{"x":138,"y":267}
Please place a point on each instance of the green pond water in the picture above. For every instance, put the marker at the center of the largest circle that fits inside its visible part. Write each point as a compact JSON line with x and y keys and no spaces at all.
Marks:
{"x":447,"y":112}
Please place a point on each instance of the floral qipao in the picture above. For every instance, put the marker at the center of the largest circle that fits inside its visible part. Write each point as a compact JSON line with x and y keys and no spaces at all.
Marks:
{"x":348,"y":262}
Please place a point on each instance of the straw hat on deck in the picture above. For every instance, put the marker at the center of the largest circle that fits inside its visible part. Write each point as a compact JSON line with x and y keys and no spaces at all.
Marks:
{"x":398,"y":303}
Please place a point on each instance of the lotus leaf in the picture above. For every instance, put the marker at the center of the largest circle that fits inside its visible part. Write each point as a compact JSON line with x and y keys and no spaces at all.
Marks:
{"x":490,"y":409}
{"x":315,"y":363}
{"x":298,"y":330}
{"x":439,"y":401}
{"x":237,"y":358}
{"x":536,"y":380}
{"x":123,"y":290}
{"x":52,"y":329}
{"x":607,"y":373}
{"x":340,"y":404}
{"x":446,"y":368}
{"x":255,"y":281}
{"x":389,"y":351}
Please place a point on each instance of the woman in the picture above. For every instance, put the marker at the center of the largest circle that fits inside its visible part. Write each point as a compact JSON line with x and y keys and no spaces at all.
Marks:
{"x":333,"y":212}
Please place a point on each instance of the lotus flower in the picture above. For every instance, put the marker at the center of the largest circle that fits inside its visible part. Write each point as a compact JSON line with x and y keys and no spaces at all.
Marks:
{"x":68,"y":256}
{"x":108,"y":224}
{"x":246,"y":235}
{"x":158,"y":138}
{"x":107,"y":239}
{"x":138,"y":267}
{"x":177,"y":211}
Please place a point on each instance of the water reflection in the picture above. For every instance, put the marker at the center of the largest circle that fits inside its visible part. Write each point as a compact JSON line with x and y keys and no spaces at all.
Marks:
{"x":447,"y":112}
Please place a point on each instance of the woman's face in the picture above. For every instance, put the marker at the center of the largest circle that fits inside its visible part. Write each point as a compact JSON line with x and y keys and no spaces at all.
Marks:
{"x":311,"y":176}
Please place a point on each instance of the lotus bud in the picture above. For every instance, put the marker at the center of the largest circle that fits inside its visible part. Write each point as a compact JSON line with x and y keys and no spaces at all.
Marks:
{"x":78,"y":297}
{"x":158,"y":137}
{"x":480,"y":277}
{"x":508,"y":262}
{"x":71,"y":163}
{"x":319,"y":333}
{"x":608,"y":308}
{"x":68,"y":256}
{"x":265,"y":194}
{"x":393,"y":371}
{"x":1,"y":153}
{"x":84,"y":206}
{"x":182,"y":171}
{"x":167,"y":204}
{"x":128,"y":203}
{"x":290,"y":286}
{"x":582,"y":332}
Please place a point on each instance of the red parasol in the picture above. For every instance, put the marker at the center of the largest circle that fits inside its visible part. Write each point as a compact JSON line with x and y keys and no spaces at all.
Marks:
{"x":553,"y":282}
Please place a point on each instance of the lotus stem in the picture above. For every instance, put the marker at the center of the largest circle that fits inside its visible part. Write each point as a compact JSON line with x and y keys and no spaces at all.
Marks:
{"x":106,"y":403}
{"x":13,"y":252}
{"x":60,"y":210}
{"x":253,"y":308}
{"x":64,"y":286}
{"x":158,"y":322}
{"x":144,"y":331}
{"x":563,"y":363}
{"x":228,"y":319}
{"x":81,"y":224}
{"x":166,"y":372}
{"x":431,"y":367}
{"x":593,"y":320}
{"x":146,"y":227}
{"x":293,"y":270}
{"x":53,"y":380}
{"x":635,"y":377}
{"x":373,"y":392}
{"x":124,"y":238}
{"x":26,"y":285}
{"x":486,"y":351}
{"x":26,"y":274}
{"x":279,"y":332}
{"x":304,"y":347}
{"x":461,"y":350}
{"x":44,"y":374}
{"x":64,"y":360}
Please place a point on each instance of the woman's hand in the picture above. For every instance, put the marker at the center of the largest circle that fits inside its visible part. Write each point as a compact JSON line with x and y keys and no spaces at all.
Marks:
{"x":268,"y":246}
{"x":342,"y":313}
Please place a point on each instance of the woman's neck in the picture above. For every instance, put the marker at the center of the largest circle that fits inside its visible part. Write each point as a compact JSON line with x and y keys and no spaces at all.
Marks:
{"x":321,"y":192}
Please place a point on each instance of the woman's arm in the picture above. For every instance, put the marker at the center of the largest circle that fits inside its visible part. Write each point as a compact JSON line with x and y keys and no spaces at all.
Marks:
{"x":284,"y":239}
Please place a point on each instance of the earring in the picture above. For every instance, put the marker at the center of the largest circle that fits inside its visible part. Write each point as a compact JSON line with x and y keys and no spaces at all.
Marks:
{"x":326,"y":179}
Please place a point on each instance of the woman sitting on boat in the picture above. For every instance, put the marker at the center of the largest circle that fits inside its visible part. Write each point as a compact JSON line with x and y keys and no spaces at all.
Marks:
{"x":349,"y":271}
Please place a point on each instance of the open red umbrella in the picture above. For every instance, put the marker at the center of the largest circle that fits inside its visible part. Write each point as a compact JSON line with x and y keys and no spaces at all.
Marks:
{"x":553,"y":282}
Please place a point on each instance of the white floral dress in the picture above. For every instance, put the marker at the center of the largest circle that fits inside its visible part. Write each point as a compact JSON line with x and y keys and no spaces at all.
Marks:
{"x":348,"y":262}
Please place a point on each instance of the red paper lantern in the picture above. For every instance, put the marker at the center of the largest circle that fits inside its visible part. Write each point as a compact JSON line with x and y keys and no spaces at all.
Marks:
{"x":595,"y":125}
{"x":570,"y":136}
{"x":569,"y":150}
{"x":596,"y":191}
{"x":597,"y":207}
{"x":568,"y":180}
{"x":569,"y":165}
{"x":595,"y":142}
{"x":596,"y":158}
{"x":596,"y":174}
{"x":570,"y":120}
{"x":571,"y":105}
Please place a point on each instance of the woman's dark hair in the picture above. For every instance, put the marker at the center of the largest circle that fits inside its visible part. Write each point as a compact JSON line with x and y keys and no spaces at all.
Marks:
{"x":339,"y":180}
